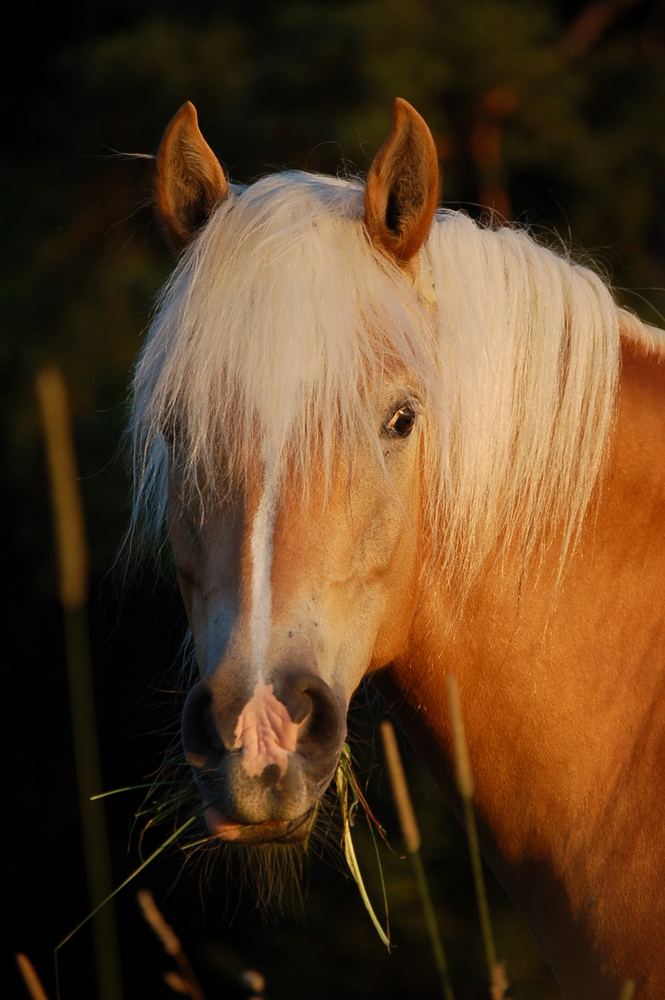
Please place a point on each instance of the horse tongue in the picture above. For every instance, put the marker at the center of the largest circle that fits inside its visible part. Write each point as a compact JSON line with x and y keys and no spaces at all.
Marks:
{"x":220,"y":826}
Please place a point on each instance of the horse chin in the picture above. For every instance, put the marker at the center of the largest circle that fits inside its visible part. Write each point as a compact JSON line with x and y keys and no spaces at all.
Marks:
{"x":270,"y":832}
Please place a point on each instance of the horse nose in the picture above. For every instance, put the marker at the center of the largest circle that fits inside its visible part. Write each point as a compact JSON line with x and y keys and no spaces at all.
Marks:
{"x":267,"y":756}
{"x":210,"y":721}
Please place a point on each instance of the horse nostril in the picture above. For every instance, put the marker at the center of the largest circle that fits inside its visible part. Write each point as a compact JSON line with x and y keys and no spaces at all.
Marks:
{"x":311,"y":704}
{"x":199,"y":733}
{"x":271,"y":775}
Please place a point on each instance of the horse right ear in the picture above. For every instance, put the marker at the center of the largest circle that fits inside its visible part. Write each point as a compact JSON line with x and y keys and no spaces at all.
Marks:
{"x":189,"y":180}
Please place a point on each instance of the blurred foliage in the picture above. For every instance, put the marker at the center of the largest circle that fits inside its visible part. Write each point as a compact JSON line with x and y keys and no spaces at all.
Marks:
{"x":557,"y":115}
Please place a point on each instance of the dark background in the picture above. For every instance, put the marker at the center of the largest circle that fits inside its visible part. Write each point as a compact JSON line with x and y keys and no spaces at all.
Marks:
{"x":550,"y":113}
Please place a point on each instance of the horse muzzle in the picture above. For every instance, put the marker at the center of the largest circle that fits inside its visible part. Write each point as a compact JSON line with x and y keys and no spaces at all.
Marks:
{"x":262,"y":762}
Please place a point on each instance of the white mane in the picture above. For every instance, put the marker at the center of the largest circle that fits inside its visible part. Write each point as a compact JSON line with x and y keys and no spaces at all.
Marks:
{"x":281,"y":316}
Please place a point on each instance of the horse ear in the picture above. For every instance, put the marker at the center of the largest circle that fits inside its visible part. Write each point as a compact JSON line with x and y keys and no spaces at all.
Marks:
{"x":189,"y":180}
{"x":402,"y":189}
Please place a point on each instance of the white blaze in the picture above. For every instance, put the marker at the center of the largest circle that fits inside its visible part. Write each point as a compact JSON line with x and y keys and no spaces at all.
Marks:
{"x":261,"y":594}
{"x":264,"y":732}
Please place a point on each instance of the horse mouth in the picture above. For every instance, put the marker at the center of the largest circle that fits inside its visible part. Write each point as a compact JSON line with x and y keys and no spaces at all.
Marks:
{"x":271,"y":832}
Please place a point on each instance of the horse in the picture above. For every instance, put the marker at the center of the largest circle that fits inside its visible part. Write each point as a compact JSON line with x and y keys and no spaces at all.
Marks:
{"x":388,"y":441}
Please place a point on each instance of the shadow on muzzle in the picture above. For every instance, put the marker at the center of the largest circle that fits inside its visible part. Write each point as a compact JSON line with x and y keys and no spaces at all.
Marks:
{"x":262,"y":761}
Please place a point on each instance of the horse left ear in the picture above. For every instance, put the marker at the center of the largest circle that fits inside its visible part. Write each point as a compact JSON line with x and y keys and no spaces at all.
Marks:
{"x":189,"y":180}
{"x":402,"y":189}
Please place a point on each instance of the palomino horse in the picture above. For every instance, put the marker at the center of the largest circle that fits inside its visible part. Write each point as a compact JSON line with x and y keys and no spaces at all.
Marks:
{"x":388,"y":440}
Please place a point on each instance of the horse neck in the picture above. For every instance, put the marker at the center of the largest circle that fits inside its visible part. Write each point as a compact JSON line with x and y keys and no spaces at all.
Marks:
{"x":563,"y":697}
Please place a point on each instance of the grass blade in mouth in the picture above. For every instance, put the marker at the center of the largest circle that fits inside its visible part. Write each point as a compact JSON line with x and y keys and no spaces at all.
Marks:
{"x":345,"y":789}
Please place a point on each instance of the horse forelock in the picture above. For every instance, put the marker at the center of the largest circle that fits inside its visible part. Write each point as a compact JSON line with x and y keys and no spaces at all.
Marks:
{"x":281,"y":318}
{"x":269,"y":336}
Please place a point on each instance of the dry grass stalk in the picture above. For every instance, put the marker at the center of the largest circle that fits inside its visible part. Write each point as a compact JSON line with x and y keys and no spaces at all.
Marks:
{"x":463,"y":772}
{"x":184,"y":980}
{"x":73,"y":589}
{"x":33,"y":983}
{"x":65,"y":494}
{"x":627,"y":990}
{"x":153,"y":916}
{"x":253,"y":981}
{"x":405,"y":812}
{"x":496,"y":975}
{"x":412,"y":841}
{"x":499,"y":982}
{"x":175,"y":982}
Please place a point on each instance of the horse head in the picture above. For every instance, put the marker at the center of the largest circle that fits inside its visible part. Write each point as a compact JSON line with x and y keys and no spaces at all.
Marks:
{"x":295,"y":522}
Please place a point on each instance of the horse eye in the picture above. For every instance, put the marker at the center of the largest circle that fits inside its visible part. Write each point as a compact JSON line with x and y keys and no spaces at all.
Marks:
{"x":401,"y":423}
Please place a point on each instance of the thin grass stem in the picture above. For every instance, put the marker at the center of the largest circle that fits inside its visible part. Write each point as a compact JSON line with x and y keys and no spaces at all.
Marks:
{"x":432,"y":924}
{"x":412,"y":842}
{"x":73,"y":590}
{"x":464,"y":778}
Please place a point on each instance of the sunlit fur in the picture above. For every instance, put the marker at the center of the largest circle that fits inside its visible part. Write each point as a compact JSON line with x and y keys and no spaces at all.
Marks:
{"x":280,"y":317}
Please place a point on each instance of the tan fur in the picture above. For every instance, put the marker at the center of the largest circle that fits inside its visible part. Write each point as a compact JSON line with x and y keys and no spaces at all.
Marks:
{"x":403,"y":186}
{"x":189,"y":180}
{"x":563,"y":691}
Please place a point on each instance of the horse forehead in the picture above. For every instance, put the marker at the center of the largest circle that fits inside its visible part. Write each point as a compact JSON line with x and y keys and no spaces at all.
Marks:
{"x":281,"y":514}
